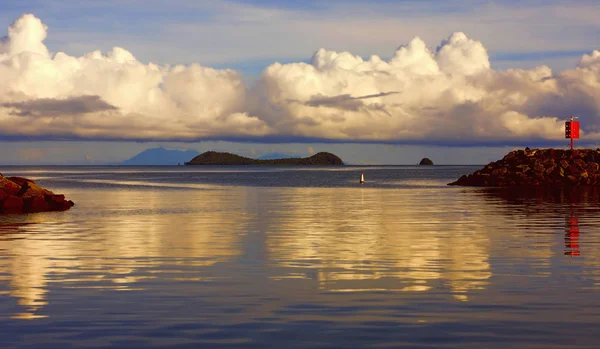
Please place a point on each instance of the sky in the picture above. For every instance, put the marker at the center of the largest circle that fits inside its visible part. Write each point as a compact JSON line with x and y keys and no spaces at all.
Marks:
{"x":375,"y":82}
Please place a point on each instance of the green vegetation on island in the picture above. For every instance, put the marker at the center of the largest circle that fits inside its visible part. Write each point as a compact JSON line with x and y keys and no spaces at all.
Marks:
{"x":218,"y":158}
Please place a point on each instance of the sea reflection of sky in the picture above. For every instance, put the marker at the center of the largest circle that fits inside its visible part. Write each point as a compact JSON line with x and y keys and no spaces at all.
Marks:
{"x":541,"y":215}
{"x":117,"y":240}
{"x":279,"y":247}
{"x":374,"y":239}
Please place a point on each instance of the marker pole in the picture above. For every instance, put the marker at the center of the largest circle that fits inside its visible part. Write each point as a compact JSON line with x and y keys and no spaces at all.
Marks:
{"x":572,"y":133}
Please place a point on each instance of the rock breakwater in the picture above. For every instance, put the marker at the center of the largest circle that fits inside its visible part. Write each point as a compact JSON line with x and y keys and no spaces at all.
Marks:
{"x":22,"y":195}
{"x":539,"y":167}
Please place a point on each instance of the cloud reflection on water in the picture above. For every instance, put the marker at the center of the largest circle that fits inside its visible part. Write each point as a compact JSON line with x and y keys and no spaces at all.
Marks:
{"x":425,"y":239}
{"x":373,"y":239}
{"x":117,"y":239}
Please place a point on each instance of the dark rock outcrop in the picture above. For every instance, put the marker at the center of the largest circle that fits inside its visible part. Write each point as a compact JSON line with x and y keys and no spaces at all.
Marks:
{"x":426,"y":162}
{"x":22,"y":195}
{"x":216,"y":158}
{"x":539,"y":167}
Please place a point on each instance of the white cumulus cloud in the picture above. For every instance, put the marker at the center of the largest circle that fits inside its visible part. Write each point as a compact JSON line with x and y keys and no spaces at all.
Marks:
{"x":449,"y":94}
{"x":131,"y":100}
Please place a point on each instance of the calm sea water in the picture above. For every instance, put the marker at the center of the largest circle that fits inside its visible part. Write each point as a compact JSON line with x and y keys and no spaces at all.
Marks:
{"x":255,"y":257}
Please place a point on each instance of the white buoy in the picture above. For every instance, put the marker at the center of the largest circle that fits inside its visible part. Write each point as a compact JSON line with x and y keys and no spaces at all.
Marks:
{"x":362,"y":178}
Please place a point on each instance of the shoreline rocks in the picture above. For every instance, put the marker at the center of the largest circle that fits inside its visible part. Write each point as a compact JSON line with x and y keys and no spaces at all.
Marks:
{"x":22,"y":195}
{"x":539,"y":167}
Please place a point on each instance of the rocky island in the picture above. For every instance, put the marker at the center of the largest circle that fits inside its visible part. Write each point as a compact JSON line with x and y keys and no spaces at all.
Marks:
{"x":426,"y":162}
{"x":22,"y":195}
{"x":539,"y":167}
{"x":217,"y":158}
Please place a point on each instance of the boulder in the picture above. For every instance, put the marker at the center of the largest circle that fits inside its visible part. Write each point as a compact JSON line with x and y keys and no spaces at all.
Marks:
{"x":8,"y":186}
{"x":539,"y":167}
{"x":22,"y":195}
{"x":12,"y":204}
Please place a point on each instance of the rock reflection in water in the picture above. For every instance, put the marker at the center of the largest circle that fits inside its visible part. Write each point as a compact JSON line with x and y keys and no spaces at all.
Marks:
{"x":545,"y":206}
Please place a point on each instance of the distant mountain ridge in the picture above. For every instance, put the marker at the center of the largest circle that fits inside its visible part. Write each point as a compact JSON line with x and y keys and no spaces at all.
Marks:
{"x":217,"y":158}
{"x":161,"y":156}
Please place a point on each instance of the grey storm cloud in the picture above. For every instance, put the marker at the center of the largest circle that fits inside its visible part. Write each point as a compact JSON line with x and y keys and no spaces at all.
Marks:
{"x":347,"y":102}
{"x":344,"y":101}
{"x":51,"y":107}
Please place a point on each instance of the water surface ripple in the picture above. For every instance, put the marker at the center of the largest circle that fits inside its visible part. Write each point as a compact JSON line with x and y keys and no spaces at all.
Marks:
{"x":255,"y":257}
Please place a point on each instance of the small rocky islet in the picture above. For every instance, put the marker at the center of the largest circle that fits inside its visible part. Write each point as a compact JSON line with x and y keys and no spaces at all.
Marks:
{"x":22,"y":195}
{"x":426,"y":162}
{"x":539,"y":167}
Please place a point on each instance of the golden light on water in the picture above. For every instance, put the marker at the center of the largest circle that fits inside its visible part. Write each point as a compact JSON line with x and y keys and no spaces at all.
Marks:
{"x":366,"y":234}
{"x":346,"y":240}
{"x":110,"y":251}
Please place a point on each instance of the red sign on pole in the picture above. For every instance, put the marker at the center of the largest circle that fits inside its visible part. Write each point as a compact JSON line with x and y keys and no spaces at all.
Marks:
{"x":572,"y":130}
{"x":575,"y":129}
